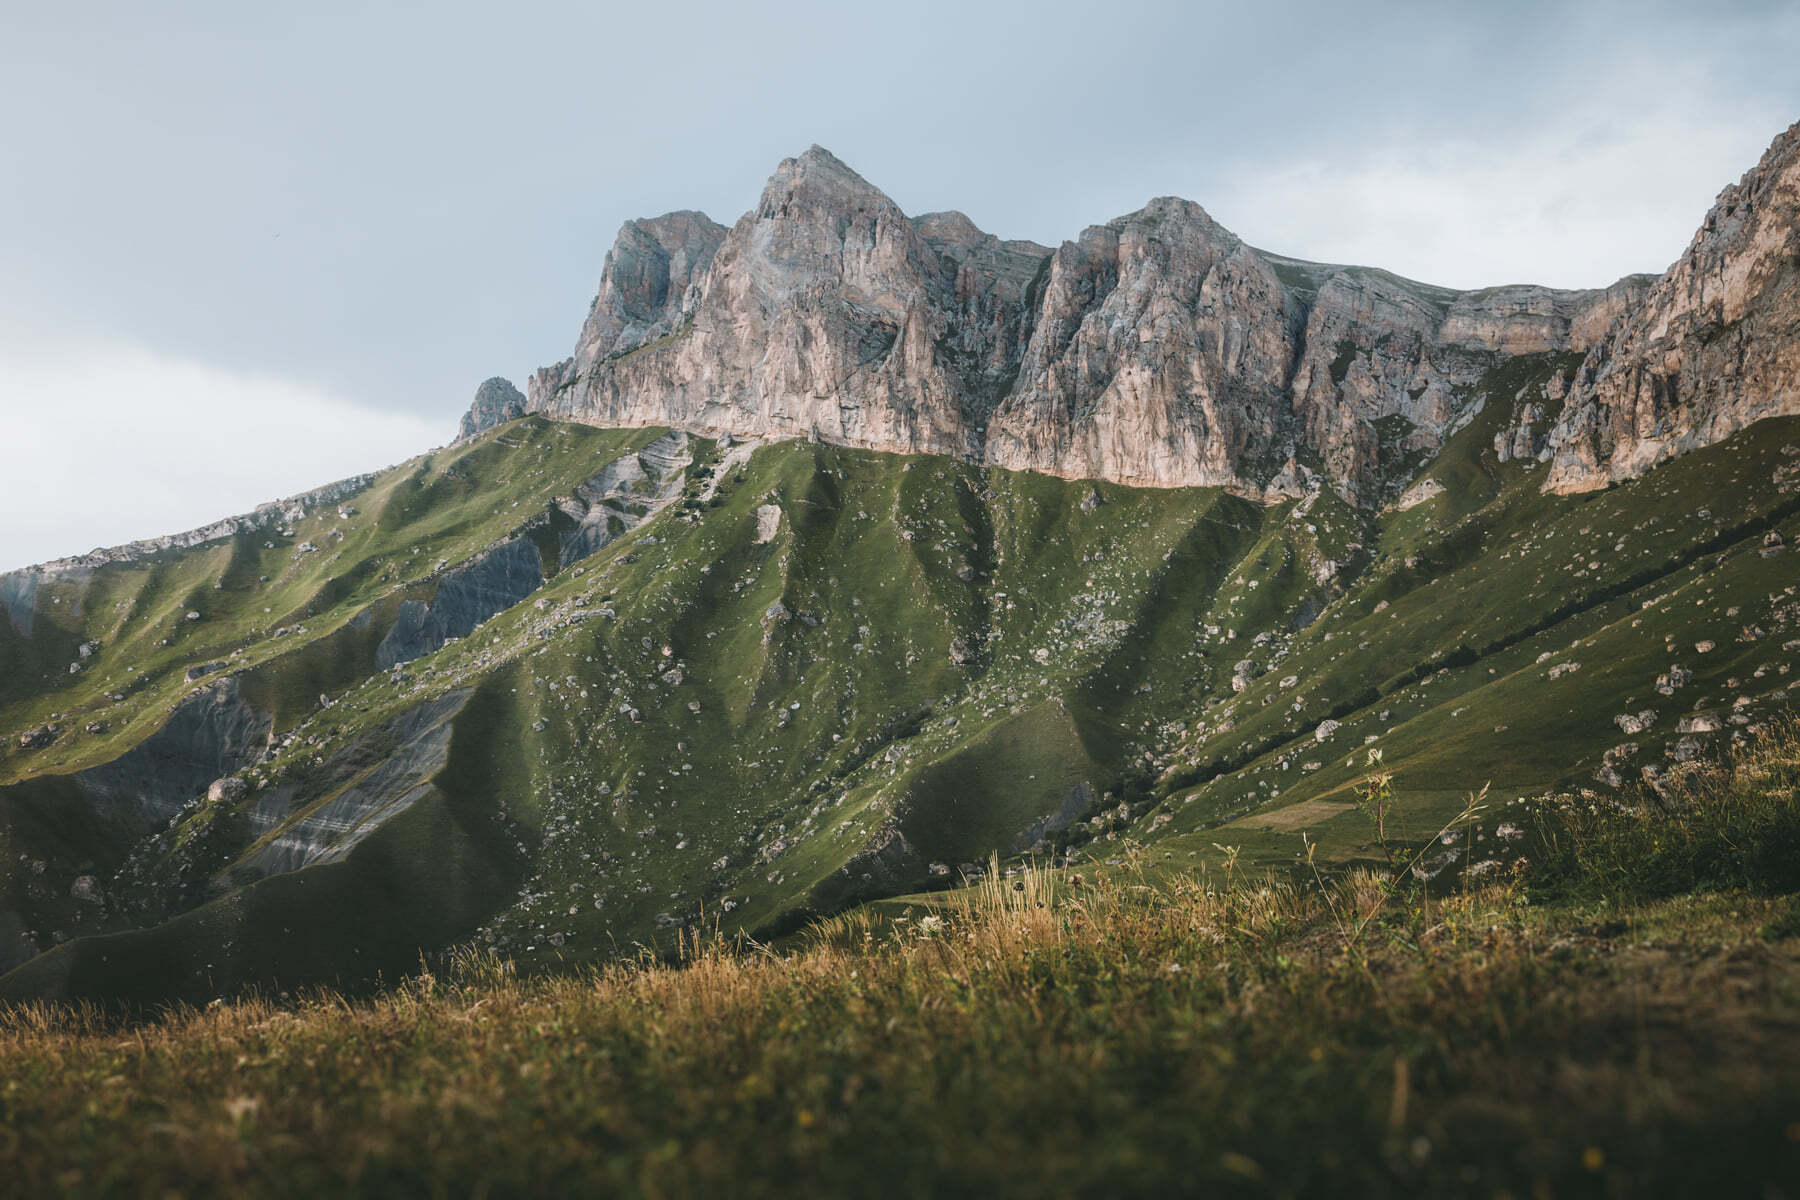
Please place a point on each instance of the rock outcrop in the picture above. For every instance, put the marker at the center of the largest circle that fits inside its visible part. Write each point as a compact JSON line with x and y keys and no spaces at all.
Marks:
{"x":1712,"y":347}
{"x":413,"y":748}
{"x":1159,"y":349}
{"x":211,"y":734}
{"x":496,"y":402}
{"x":825,"y":312}
{"x":623,"y":495}
{"x":465,"y":596}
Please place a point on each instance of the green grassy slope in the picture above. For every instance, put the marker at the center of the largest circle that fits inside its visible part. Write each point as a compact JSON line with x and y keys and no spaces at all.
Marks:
{"x":924,"y":663}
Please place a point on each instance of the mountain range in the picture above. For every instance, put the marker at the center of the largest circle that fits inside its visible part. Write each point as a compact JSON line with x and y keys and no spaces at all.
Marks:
{"x":850,"y":549}
{"x":1159,"y":349}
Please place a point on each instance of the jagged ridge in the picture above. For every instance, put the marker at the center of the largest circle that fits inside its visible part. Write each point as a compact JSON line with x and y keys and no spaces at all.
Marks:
{"x":1157,"y":349}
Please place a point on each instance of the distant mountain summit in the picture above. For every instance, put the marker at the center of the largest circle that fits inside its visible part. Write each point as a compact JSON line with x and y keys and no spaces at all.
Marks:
{"x":497,"y":401}
{"x":1159,"y":349}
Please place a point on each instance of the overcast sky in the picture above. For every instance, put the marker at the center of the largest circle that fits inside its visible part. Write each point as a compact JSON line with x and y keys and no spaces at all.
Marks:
{"x":246,"y":248}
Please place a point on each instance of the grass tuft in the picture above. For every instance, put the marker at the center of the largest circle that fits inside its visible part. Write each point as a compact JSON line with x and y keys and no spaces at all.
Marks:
{"x":1730,"y":824}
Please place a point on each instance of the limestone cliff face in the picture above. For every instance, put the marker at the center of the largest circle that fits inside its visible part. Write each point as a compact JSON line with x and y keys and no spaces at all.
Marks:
{"x":824,"y":312}
{"x":1713,"y":346}
{"x":644,"y":286}
{"x":1160,"y":354}
{"x":1158,"y":349}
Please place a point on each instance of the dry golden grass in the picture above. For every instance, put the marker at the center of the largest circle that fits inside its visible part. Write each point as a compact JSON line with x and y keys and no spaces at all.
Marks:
{"x":1304,"y":815}
{"x":1048,"y":1033}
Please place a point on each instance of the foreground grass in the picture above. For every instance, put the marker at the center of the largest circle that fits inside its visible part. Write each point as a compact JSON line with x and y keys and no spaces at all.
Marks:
{"x":1191,"y":1040}
{"x":1049,"y":1034}
{"x":1716,"y":826}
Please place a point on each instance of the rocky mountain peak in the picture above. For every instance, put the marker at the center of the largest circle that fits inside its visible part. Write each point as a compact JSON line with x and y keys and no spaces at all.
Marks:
{"x":1184,"y":215}
{"x":818,"y":179}
{"x":820,"y":233}
{"x":952,"y":228}
{"x":816,"y":159}
{"x":496,"y":402}
{"x":1157,"y":348}
{"x":645,"y":283}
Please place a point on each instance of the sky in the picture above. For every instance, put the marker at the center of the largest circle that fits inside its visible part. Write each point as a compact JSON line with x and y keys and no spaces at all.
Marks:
{"x":247,"y":249}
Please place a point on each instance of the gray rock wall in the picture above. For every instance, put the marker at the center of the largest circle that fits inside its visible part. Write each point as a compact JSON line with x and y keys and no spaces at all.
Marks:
{"x":213,"y":733}
{"x":1157,"y":349}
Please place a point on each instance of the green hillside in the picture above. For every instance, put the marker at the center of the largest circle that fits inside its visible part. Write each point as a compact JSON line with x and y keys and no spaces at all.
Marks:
{"x":689,"y":683}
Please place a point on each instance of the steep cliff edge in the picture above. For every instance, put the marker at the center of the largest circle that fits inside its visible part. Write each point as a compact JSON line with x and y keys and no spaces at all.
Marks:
{"x":824,"y":312}
{"x":1713,"y":346}
{"x":1159,"y":349}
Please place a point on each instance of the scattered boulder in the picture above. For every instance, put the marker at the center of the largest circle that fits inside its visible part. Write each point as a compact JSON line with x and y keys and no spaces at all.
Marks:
{"x":768,"y":522}
{"x":1418,"y":494}
{"x":1685,"y":750}
{"x":37,"y":739}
